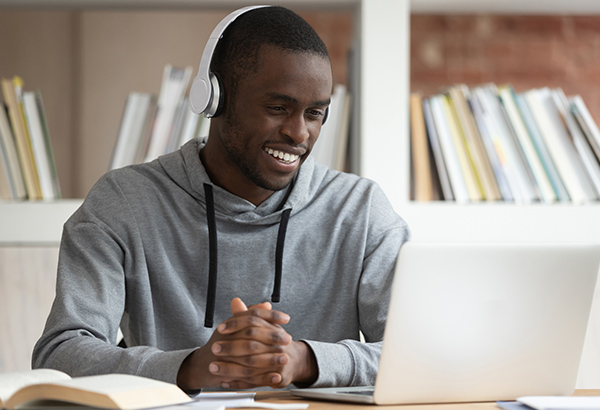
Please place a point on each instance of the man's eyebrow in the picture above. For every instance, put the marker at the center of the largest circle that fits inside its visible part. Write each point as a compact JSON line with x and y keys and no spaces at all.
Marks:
{"x":288,"y":98}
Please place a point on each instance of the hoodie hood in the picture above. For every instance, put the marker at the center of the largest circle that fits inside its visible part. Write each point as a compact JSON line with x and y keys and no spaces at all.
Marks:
{"x":191,"y":175}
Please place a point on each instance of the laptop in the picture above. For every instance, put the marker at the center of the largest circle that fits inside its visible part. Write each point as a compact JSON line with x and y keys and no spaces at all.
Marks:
{"x":481,"y":322}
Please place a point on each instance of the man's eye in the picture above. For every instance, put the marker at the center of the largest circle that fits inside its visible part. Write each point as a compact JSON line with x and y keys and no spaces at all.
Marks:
{"x":315,"y":113}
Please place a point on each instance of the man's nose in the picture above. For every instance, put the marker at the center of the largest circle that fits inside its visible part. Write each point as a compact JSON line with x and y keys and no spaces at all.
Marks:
{"x":296,"y":128}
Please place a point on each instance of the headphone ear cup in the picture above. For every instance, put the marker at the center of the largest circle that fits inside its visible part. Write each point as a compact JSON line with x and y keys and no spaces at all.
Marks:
{"x":199,"y":95}
{"x":218,"y":97}
{"x":325,"y":116}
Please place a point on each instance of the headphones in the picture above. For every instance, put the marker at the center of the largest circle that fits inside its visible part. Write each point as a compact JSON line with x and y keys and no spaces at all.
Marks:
{"x":206,"y":93}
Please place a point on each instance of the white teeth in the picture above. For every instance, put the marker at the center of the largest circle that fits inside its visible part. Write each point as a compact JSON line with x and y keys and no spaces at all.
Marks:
{"x":284,"y":156}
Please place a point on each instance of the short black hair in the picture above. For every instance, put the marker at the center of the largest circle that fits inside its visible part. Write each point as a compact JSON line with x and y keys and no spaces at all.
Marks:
{"x":236,"y":53}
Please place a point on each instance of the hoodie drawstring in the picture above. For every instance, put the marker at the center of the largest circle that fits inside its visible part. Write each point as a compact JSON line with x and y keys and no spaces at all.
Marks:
{"x":213,"y":256}
{"x":285,"y":217}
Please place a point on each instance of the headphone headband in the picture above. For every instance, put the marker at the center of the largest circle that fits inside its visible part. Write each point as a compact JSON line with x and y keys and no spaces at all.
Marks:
{"x":204,"y":96}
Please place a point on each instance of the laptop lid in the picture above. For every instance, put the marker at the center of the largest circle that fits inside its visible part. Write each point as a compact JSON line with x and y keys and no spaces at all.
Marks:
{"x":485,"y":321}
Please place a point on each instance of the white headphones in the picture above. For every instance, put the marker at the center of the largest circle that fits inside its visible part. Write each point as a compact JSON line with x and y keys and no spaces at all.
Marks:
{"x":206,"y":93}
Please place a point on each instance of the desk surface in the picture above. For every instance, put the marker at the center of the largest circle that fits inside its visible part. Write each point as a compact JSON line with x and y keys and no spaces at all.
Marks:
{"x":286,"y":397}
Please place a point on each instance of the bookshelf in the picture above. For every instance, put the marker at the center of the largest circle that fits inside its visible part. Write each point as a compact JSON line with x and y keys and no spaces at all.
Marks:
{"x":502,"y":221}
{"x":492,"y":221}
{"x":384,"y":154}
{"x":383,"y":49}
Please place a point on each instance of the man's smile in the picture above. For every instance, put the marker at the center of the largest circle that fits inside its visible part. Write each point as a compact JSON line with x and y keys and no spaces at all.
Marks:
{"x":285,"y":157}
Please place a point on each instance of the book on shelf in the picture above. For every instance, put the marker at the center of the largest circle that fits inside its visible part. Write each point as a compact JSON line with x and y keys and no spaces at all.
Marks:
{"x":480,"y":163}
{"x":542,"y":150}
{"x":516,"y":169}
{"x":586,"y":122}
{"x":459,"y":187}
{"x":115,"y":391}
{"x":10,"y":89}
{"x":419,"y":146}
{"x":588,"y":159}
{"x":506,"y":95}
{"x":497,"y":162}
{"x":469,"y":173}
{"x":152,"y":126}
{"x":331,"y":146}
{"x":438,"y":165}
{"x":43,"y":155}
{"x":173,"y":87}
{"x":10,"y":160}
{"x":134,"y":130}
{"x":5,"y":188}
{"x":488,"y":142}
{"x":561,"y":147}
{"x":27,"y":155}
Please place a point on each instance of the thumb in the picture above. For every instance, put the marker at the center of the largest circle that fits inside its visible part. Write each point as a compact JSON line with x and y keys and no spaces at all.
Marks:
{"x":238,"y":306}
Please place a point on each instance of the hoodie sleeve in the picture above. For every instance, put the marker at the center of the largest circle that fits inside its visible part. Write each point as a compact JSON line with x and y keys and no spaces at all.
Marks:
{"x":81,"y":330}
{"x":352,"y":362}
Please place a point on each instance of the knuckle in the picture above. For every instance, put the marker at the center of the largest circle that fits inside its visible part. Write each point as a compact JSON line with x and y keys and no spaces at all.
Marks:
{"x":277,"y":336}
{"x":275,"y":360}
{"x":254,"y":320}
{"x":248,"y":372}
{"x":254,"y":346}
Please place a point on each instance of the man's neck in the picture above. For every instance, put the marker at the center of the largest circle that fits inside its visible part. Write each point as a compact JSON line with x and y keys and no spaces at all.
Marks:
{"x":255,"y":195}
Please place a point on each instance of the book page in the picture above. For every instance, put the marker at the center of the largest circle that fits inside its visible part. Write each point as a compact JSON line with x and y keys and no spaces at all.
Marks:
{"x":11,"y":382}
{"x":122,"y":391}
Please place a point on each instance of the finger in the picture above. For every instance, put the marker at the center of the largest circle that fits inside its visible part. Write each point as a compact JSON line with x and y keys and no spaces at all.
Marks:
{"x":253,"y":318}
{"x":244,"y":347}
{"x":272,"y":361}
{"x":235,"y":375}
{"x":270,"y":335}
{"x":271,"y":380}
{"x":238,"y":306}
{"x":263,"y":305}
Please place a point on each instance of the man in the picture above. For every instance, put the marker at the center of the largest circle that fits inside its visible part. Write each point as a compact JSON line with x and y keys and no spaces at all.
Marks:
{"x":167,"y":249}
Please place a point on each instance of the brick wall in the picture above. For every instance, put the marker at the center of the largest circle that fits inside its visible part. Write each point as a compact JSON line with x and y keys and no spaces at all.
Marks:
{"x":525,"y":51}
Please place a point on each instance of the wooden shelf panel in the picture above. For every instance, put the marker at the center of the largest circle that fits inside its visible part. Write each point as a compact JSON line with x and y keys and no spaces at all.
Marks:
{"x":573,"y":7}
{"x":34,"y":223}
{"x":502,"y":222}
{"x":171,"y":4}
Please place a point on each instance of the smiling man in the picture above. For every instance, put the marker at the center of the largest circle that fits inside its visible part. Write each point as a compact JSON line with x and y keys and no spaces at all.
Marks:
{"x":172,"y":251}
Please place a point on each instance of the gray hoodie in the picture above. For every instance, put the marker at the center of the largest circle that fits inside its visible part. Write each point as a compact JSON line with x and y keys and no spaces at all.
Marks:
{"x":140,"y":250}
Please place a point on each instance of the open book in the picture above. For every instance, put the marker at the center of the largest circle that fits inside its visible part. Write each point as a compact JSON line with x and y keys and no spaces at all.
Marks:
{"x":117,"y":391}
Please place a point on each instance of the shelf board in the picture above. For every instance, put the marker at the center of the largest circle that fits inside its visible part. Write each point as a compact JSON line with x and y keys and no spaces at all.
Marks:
{"x":40,"y":223}
{"x":502,"y":222}
{"x":34,"y":223}
{"x":171,"y":4}
{"x":572,"y":7}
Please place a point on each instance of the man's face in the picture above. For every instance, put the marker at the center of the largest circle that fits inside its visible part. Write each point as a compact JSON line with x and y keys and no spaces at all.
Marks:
{"x":274,"y":118}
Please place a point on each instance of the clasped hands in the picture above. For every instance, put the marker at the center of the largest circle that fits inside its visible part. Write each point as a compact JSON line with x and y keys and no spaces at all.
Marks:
{"x":249,"y":350}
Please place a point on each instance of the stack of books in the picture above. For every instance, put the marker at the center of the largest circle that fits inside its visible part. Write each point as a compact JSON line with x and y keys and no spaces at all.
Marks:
{"x":27,"y":165}
{"x":152,"y":126}
{"x":490,"y":143}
